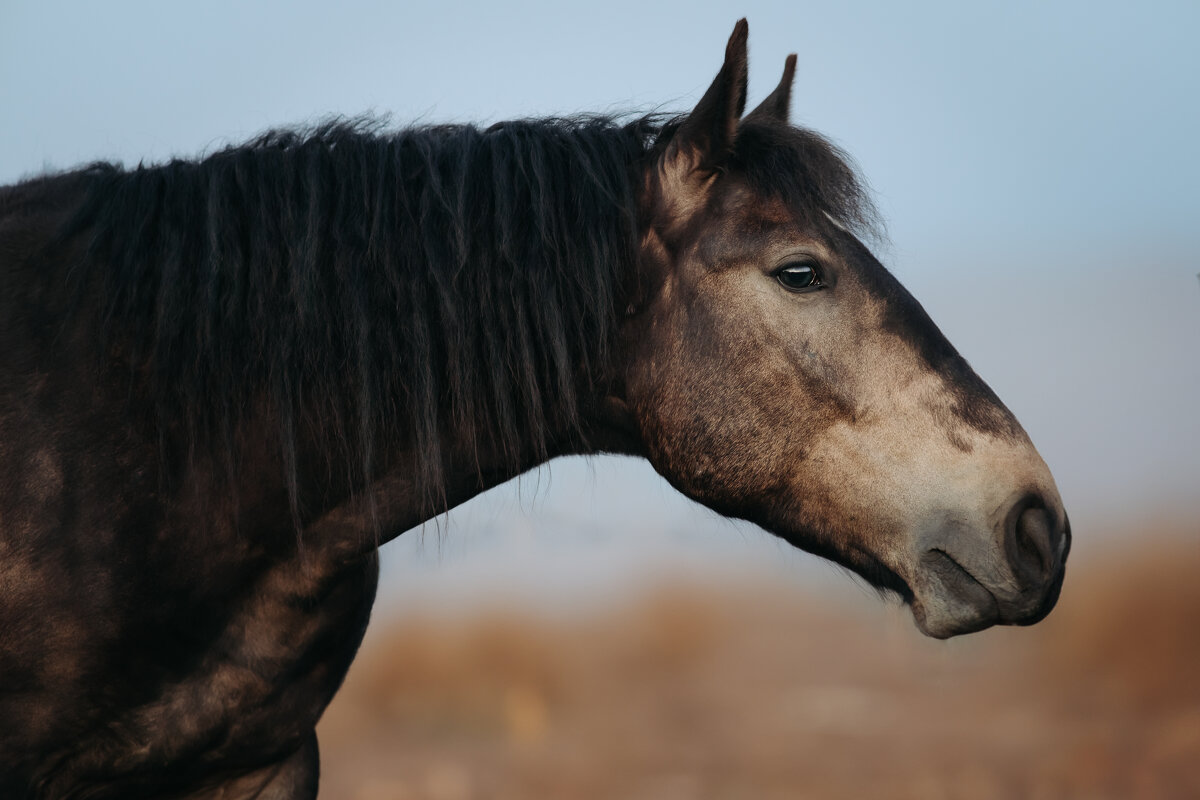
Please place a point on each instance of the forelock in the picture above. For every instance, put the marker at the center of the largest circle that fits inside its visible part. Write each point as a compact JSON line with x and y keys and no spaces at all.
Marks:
{"x":815,"y":178}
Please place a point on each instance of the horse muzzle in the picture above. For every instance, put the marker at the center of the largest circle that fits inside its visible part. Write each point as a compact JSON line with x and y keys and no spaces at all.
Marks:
{"x":1010,"y":575}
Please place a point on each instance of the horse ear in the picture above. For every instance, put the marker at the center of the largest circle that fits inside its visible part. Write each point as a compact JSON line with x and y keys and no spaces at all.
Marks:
{"x":709,"y":130}
{"x":779,"y":102}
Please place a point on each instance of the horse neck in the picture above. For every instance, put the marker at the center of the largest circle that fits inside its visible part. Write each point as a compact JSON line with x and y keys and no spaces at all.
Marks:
{"x":440,"y":302}
{"x":512,"y":266}
{"x":532,"y":255}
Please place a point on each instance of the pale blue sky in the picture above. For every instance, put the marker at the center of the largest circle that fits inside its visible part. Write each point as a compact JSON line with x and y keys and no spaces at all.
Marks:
{"x":1059,"y":119}
{"x":1037,"y":164}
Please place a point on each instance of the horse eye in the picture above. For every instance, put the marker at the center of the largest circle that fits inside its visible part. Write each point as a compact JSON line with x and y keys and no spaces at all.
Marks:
{"x":798,"y":277}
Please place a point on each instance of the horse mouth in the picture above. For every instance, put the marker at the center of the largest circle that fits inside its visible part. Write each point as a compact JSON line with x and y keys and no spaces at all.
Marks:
{"x":951,"y":601}
{"x":953,"y":589}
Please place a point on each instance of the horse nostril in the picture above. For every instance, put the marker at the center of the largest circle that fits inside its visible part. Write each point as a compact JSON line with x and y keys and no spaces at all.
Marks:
{"x":1033,"y":540}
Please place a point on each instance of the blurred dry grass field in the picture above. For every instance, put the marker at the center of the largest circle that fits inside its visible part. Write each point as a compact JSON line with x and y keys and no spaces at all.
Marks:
{"x":745,"y":687}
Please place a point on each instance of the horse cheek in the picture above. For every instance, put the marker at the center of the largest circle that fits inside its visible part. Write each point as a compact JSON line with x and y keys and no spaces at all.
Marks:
{"x":708,"y":425}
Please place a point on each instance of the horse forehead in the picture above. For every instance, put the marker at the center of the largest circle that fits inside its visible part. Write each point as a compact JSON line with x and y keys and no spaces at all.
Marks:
{"x":731,"y":197}
{"x":737,"y":224}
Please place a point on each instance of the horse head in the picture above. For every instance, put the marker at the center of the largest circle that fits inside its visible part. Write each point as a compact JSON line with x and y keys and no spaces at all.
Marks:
{"x":774,"y":370}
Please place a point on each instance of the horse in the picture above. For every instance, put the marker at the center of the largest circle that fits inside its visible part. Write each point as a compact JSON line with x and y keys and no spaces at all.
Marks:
{"x":226,"y":382}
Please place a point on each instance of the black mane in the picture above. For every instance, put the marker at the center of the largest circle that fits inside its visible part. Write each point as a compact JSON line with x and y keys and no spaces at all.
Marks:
{"x":430,"y":285}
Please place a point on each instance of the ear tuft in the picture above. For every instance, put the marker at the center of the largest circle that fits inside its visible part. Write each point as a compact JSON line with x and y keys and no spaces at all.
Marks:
{"x":777,"y":105}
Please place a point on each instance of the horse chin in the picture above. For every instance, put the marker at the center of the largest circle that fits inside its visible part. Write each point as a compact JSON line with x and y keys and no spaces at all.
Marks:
{"x":949,"y":600}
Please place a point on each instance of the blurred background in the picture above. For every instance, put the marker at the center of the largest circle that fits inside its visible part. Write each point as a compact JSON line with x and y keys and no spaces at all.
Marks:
{"x":586,"y":632}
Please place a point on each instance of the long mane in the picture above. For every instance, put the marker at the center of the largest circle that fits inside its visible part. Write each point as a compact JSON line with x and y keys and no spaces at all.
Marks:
{"x":423,"y":286}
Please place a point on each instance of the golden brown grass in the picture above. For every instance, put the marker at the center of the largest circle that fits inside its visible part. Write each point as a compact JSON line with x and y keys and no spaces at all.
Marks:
{"x":756,"y":689}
